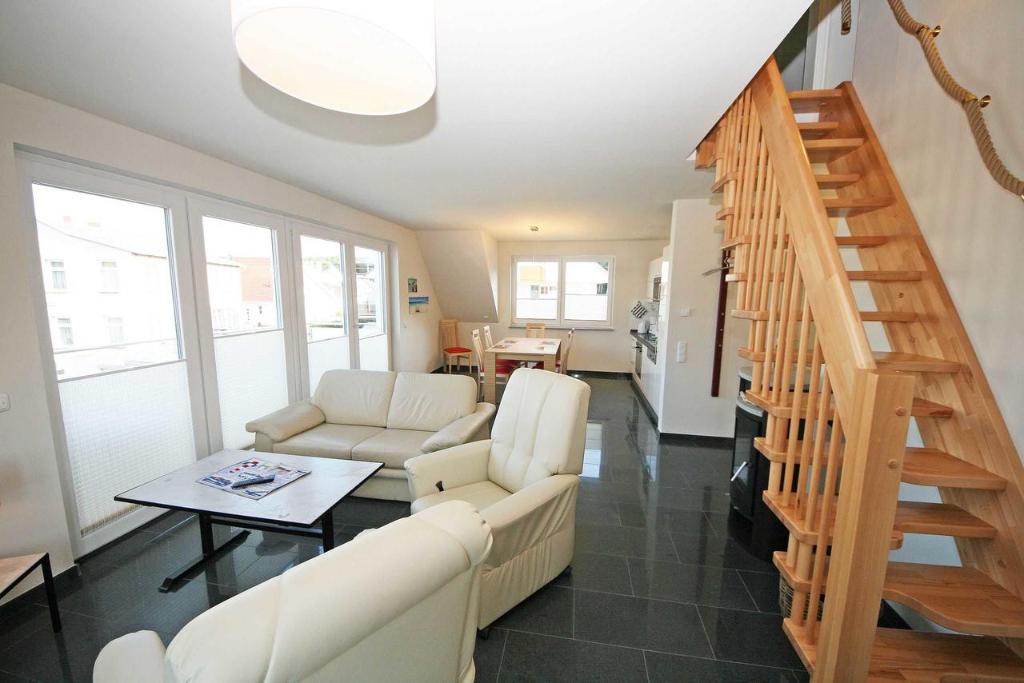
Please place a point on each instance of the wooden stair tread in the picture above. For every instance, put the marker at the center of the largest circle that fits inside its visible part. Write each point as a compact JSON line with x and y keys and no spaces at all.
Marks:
{"x":912,"y":517}
{"x":720,"y":183}
{"x":940,"y":519}
{"x":911,"y":362}
{"x":932,"y":467}
{"x":840,"y":207}
{"x":827,"y":149}
{"x":793,"y":519}
{"x":803,"y":101}
{"x":884,"y":275}
{"x":920,"y":408}
{"x":829,"y":181}
{"x":816,"y":129}
{"x":959,"y":598}
{"x":866,"y":316}
{"x":905,"y":655}
{"x":922,"y":466}
{"x":860,"y":241}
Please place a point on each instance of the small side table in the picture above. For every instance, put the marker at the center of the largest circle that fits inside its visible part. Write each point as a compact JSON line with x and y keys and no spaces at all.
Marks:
{"x":14,"y":569}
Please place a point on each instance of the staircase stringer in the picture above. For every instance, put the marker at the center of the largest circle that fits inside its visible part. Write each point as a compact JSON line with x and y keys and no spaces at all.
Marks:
{"x":977,"y":432}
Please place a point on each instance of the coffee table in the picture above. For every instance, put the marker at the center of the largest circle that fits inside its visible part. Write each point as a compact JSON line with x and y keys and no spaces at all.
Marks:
{"x":298,"y":508}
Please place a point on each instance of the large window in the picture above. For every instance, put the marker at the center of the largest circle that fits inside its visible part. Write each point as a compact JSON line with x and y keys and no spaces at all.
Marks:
{"x":110,"y":282}
{"x":98,"y":326}
{"x":324,"y":303}
{"x":562,"y":291}
{"x":248,"y":328}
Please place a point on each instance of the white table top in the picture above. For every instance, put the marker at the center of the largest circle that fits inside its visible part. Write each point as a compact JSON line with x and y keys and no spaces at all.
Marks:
{"x":523,"y":346}
{"x":302,"y":502}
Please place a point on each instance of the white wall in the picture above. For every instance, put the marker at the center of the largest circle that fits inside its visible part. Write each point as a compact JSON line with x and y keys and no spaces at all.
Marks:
{"x":597,"y":350}
{"x":974,"y":228}
{"x":31,"y":507}
{"x":463,"y":269}
{"x":687,"y":406}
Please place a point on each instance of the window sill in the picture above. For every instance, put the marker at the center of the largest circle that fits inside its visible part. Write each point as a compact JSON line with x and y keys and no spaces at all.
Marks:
{"x":578,"y":328}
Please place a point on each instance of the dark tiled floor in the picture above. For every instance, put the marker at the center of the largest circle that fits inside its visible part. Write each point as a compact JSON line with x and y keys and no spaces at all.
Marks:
{"x":660,"y":591}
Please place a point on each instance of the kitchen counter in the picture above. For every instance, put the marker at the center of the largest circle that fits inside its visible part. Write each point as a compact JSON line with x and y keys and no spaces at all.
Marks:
{"x":647,"y":339}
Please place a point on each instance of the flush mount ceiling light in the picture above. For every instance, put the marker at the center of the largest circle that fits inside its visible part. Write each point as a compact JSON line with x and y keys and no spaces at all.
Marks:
{"x":371,"y":57}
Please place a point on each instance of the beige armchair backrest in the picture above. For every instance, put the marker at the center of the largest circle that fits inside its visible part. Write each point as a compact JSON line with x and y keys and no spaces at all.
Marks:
{"x":540,"y":429}
{"x":398,"y":603}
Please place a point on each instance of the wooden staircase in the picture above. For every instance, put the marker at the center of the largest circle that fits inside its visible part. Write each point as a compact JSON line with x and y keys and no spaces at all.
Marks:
{"x":811,"y":209}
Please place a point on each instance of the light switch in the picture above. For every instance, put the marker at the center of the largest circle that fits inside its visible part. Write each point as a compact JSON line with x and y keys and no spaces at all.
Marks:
{"x":685,"y":312}
{"x":5,"y":403}
{"x":681,"y":352}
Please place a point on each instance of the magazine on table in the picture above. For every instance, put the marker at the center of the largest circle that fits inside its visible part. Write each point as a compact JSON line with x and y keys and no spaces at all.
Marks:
{"x":253,"y":468}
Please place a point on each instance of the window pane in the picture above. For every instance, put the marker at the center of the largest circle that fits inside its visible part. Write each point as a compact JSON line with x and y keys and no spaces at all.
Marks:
{"x":586,"y":290}
{"x":323,"y":288}
{"x":241,"y":277}
{"x":536,"y":290}
{"x":80,"y":236}
{"x":369,"y":291}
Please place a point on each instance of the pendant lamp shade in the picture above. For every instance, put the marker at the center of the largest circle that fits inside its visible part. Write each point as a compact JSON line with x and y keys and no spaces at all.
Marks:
{"x":357,"y":56}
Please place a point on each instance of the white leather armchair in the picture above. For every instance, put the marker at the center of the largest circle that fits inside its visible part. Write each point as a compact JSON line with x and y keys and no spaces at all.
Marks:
{"x":524,"y":480}
{"x":398,"y":603}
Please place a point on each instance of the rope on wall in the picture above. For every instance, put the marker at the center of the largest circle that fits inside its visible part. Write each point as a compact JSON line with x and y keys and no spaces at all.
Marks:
{"x":969,"y":101}
{"x":847,"y":13}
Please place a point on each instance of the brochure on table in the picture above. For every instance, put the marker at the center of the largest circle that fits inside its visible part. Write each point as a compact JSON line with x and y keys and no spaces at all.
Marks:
{"x":253,"y":468}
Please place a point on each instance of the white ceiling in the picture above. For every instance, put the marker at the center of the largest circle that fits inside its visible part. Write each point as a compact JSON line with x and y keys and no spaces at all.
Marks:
{"x":575,"y":115}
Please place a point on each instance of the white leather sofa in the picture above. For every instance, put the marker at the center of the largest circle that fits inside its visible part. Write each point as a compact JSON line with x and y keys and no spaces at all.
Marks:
{"x":397,"y":603}
{"x":381,"y":417}
{"x":524,"y":480}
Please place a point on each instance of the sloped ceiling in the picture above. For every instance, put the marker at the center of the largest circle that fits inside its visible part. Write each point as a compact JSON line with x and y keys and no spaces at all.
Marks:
{"x":574,"y":115}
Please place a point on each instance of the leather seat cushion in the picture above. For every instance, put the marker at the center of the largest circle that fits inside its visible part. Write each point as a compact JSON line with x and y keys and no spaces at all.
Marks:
{"x":481,"y":495}
{"x":327,"y":441}
{"x":391,"y":447}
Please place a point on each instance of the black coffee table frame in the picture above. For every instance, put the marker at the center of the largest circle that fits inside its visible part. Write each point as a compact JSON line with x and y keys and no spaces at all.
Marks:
{"x":322,"y":529}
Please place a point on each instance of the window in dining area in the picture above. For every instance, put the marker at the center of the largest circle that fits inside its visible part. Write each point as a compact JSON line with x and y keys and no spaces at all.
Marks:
{"x":568,"y":291}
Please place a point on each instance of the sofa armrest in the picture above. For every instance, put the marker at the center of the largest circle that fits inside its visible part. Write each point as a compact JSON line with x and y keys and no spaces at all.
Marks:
{"x":454,"y":467}
{"x":133,"y":658}
{"x":462,"y":430}
{"x":287,"y":422}
{"x":530,"y":515}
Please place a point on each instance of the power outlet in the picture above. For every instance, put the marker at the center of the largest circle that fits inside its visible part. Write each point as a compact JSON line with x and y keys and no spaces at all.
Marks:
{"x":5,"y":403}
{"x":681,"y":352}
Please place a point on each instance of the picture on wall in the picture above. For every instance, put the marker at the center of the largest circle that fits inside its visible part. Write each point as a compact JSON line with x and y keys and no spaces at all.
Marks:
{"x":414,"y":285}
{"x":418,"y":304}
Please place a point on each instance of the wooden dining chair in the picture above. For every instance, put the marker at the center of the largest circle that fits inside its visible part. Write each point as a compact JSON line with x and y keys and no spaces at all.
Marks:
{"x":506,"y":366}
{"x":449,"y":334}
{"x":535,"y":330}
{"x":563,"y":361}
{"x":500,"y":374}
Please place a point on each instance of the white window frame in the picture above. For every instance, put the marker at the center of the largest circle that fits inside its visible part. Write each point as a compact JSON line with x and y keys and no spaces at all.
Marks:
{"x":52,"y":270}
{"x":104,"y":271}
{"x":34,"y":168}
{"x":561,"y":322}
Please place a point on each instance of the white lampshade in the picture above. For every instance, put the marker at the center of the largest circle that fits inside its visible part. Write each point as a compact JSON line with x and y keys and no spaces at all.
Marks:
{"x":356,"y":56}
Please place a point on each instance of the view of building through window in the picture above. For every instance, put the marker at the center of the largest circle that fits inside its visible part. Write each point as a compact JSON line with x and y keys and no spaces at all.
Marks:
{"x":240,"y":276}
{"x":369,"y":290}
{"x":107,"y":281}
{"x":562,"y":290}
{"x":323,"y":288}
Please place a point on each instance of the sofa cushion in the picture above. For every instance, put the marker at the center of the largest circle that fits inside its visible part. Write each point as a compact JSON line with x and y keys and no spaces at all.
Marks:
{"x":355,"y":397}
{"x":480,"y":495}
{"x":428,"y":402}
{"x":391,"y":447}
{"x":327,"y":441}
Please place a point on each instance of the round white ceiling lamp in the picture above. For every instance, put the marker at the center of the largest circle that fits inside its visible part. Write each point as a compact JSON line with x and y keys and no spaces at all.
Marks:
{"x":374,"y":57}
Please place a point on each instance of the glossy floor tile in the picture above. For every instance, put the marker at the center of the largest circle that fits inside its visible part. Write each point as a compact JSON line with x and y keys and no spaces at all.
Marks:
{"x":662,"y":588}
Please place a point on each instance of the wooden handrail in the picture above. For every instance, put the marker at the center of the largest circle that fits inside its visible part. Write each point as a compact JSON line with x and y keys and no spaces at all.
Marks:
{"x":843,"y":339}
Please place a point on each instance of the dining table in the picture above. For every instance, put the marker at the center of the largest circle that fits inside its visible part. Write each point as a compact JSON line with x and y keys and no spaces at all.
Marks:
{"x":544,"y":350}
